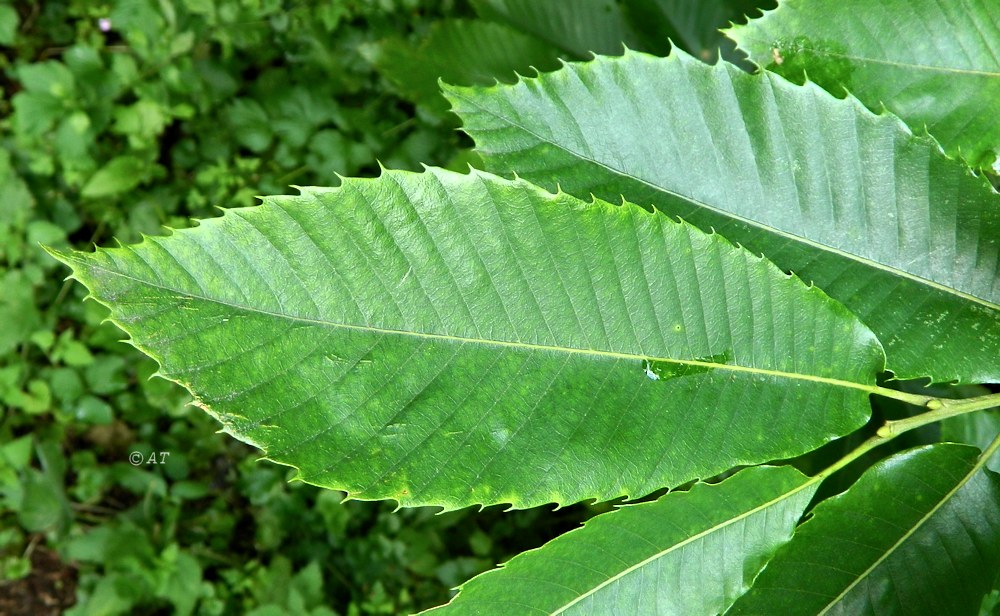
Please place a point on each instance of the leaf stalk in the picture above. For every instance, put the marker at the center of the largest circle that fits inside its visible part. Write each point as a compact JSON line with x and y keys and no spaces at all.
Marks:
{"x":939,"y":409}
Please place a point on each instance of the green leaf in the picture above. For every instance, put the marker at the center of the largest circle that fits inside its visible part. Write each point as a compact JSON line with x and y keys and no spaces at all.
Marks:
{"x":694,"y":26}
{"x":49,"y":77}
{"x":120,"y":174}
{"x":250,"y":124}
{"x":18,"y":311}
{"x":935,"y":64}
{"x":919,"y":533}
{"x":449,"y":339}
{"x":43,"y":506}
{"x":35,"y":112}
{"x":458,"y":51}
{"x":977,"y":429}
{"x":14,"y":194}
{"x":879,"y":219}
{"x":142,"y":122}
{"x":9,"y":21}
{"x":576,"y":27}
{"x":689,"y":552}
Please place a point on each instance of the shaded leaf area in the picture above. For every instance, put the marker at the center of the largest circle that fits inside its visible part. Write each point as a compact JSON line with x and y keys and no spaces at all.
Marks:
{"x":524,"y":36}
{"x":934,"y":63}
{"x":689,"y":552}
{"x":977,"y":429}
{"x":919,"y":533}
{"x":458,"y":51}
{"x":447,"y":339}
{"x":577,"y":28}
{"x":693,"y":26}
{"x":881,"y":220}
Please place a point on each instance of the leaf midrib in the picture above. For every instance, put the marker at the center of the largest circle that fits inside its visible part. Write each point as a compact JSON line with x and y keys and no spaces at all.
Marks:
{"x":871,"y":389}
{"x":784,"y":496}
{"x":454,"y":91}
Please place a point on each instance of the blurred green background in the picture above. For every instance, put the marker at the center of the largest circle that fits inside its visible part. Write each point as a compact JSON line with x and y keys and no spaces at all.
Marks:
{"x":123,"y":118}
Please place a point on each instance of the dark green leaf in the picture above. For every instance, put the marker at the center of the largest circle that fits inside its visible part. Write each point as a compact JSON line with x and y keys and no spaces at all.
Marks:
{"x":919,"y":533}
{"x":576,"y":27}
{"x":977,"y":429}
{"x":694,"y":26}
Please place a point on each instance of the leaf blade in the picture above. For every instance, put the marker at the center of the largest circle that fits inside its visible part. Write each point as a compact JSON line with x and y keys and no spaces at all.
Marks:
{"x":852,"y":556}
{"x":944,"y":78}
{"x":848,"y":200}
{"x":376,"y":339}
{"x":730,"y":528}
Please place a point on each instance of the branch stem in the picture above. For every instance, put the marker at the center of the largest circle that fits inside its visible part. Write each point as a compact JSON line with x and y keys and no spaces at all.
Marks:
{"x":939,"y":408}
{"x":903,"y":396}
{"x":858,"y":451}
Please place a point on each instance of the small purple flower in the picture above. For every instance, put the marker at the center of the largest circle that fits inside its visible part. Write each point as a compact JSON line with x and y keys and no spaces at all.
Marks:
{"x":104,"y":24}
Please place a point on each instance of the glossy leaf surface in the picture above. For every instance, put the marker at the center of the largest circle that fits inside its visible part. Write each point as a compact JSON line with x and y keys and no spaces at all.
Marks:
{"x":978,"y":429}
{"x":445,"y":339}
{"x":919,"y":533}
{"x":935,"y":63}
{"x":686,"y":553}
{"x":881,"y":220}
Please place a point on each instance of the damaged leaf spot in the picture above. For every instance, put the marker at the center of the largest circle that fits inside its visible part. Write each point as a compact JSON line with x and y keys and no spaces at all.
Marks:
{"x":657,"y":370}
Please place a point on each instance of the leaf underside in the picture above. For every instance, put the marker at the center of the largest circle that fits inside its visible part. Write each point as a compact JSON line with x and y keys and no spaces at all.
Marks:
{"x":881,"y":220}
{"x":919,"y":533}
{"x":933,"y":63}
{"x":445,"y":339}
{"x":689,"y":552}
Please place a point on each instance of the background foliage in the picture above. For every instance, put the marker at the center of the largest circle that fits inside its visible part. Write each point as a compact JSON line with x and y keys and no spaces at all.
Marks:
{"x":119,"y":118}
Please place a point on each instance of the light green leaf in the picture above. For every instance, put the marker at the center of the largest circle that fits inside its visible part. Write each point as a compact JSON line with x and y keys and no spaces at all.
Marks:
{"x":687,"y":553}
{"x":934,"y":63}
{"x":18,"y":309}
{"x":9,"y":21}
{"x":879,"y":219}
{"x":919,"y":533}
{"x":120,"y":174}
{"x":446,"y":339}
{"x":51,"y":77}
{"x":35,"y":112}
